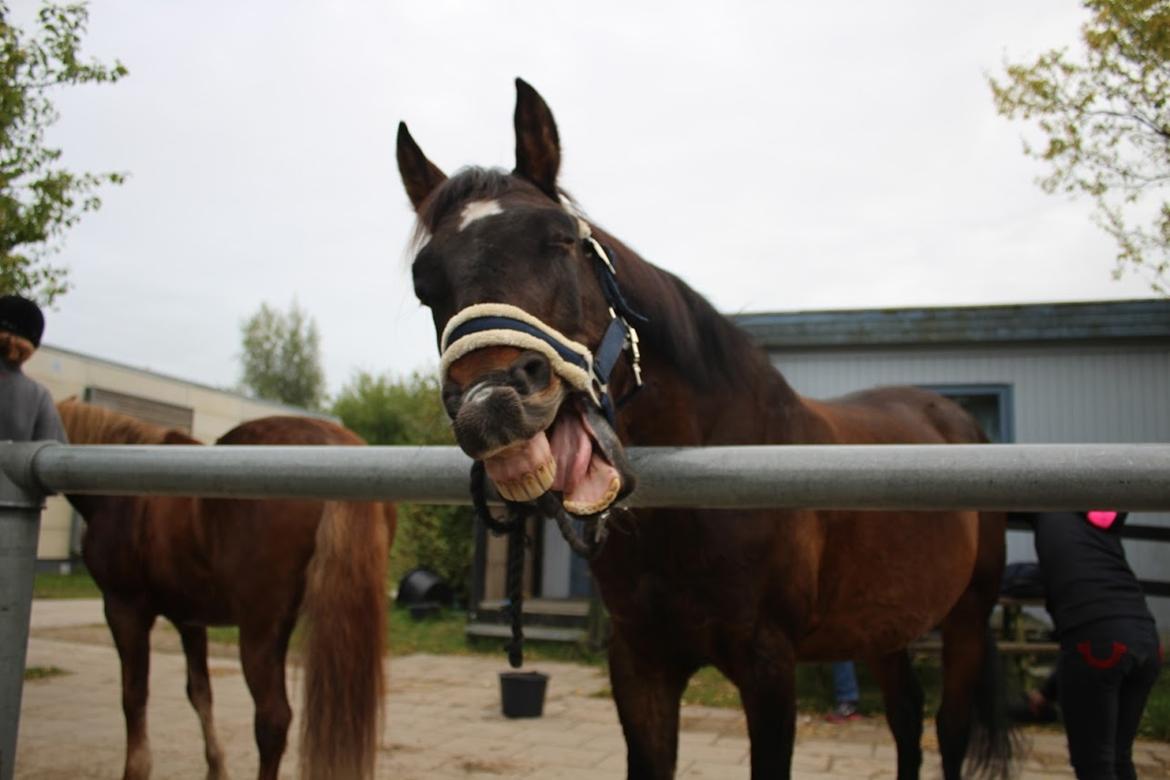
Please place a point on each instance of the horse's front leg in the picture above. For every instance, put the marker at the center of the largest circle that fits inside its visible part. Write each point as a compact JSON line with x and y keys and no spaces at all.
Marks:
{"x":130,"y":626}
{"x":647,"y":688}
{"x":767,"y":688}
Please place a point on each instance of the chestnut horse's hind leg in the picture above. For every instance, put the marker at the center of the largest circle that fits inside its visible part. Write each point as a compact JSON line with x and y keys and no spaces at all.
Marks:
{"x":130,"y":627}
{"x":903,"y":698}
{"x":199,"y":693}
{"x":262,"y":653}
{"x":647,"y":691}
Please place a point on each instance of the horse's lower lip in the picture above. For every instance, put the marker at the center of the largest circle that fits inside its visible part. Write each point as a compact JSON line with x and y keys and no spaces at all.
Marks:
{"x":569,"y":458}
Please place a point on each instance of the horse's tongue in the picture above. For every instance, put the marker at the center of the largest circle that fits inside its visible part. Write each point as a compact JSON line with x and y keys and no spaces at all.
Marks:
{"x":589,"y":483}
{"x":572,"y":448}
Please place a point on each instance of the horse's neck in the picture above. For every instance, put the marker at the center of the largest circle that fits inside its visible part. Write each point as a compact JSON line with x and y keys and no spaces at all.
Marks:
{"x":707,"y":383}
{"x":674,"y":412}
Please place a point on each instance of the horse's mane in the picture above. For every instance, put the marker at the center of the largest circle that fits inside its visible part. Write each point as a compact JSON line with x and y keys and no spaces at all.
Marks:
{"x":88,"y":424}
{"x":684,"y":328}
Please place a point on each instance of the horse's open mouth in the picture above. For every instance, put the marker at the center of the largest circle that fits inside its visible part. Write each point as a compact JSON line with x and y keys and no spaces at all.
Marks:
{"x":578,"y":456}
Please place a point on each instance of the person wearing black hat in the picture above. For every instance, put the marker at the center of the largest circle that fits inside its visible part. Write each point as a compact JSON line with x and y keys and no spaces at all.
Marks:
{"x":27,"y":412}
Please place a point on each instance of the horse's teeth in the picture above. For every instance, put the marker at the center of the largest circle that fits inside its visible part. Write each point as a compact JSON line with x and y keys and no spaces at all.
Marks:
{"x":531,"y":486}
{"x":580,"y":508}
{"x":546,"y":474}
{"x":505,"y":489}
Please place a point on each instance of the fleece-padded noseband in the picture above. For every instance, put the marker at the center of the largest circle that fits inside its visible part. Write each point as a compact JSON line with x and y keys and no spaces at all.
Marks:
{"x":502,"y":324}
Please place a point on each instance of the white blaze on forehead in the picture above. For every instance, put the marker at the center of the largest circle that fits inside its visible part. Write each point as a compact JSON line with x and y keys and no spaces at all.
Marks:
{"x":478,"y":209}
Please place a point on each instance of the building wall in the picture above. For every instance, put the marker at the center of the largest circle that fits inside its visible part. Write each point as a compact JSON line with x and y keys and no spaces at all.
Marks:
{"x":67,"y":373}
{"x":1075,"y":393}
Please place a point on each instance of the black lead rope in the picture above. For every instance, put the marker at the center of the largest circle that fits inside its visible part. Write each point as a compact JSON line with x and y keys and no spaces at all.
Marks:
{"x":515,"y":587}
{"x":515,"y":526}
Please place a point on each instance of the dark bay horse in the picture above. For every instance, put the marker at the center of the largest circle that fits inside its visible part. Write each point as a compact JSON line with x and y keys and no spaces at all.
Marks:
{"x":256,"y":564}
{"x":525,"y":303}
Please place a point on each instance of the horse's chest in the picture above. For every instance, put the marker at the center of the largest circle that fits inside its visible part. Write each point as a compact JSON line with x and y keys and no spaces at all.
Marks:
{"x":693,"y":578}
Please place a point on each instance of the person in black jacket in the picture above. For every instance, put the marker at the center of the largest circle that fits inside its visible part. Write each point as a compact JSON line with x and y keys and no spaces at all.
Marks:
{"x":1110,"y":655}
{"x":27,"y":412}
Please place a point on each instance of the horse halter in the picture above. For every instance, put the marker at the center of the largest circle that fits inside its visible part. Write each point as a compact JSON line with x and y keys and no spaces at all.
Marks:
{"x":588,"y":371}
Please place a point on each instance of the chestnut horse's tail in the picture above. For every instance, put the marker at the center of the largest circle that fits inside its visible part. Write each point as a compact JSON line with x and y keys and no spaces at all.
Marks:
{"x":994,"y":740}
{"x":345,"y":608}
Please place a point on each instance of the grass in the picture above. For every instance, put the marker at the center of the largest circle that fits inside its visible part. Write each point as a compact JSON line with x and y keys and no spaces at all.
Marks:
{"x":78,"y":585}
{"x":43,"y":672}
{"x":1156,"y":720}
{"x":444,"y":635}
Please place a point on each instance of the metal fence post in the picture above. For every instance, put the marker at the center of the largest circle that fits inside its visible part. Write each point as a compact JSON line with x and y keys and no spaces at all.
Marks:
{"x":20,"y":522}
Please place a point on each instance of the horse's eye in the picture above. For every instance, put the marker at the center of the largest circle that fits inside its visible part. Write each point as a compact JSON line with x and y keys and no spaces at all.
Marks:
{"x":562,"y":242}
{"x":428,"y":287}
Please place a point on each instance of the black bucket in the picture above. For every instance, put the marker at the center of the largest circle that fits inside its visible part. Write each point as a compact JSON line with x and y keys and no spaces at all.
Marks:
{"x":522,"y":694}
{"x":423,"y":586}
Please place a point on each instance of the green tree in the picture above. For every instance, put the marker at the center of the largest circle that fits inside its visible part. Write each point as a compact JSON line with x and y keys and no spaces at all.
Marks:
{"x":1105,"y":120}
{"x":384,"y":410}
{"x":39,"y":199}
{"x":282,"y":357}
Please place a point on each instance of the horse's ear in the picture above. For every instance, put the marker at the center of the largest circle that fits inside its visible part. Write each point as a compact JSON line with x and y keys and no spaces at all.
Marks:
{"x":538,"y":148}
{"x":419,"y":175}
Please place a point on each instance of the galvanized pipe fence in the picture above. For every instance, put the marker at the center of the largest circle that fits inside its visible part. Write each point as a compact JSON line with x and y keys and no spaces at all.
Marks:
{"x":1020,"y":477}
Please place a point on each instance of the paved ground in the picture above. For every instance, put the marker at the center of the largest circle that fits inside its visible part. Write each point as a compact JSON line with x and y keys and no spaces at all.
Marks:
{"x":443,"y":721}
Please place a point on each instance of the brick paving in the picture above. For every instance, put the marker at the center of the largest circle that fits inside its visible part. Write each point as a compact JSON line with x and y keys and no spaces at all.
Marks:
{"x":443,"y":721}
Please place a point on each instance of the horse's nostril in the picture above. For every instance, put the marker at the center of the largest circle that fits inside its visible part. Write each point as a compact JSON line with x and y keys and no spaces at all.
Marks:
{"x":531,"y":372}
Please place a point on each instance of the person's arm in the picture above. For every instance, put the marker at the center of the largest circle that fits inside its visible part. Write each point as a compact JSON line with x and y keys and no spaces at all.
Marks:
{"x":48,"y":423}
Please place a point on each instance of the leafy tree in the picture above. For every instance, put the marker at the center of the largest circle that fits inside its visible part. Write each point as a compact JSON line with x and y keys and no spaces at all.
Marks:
{"x":383,"y":410}
{"x":1105,"y":119}
{"x":282,"y":357}
{"x":40,"y":200}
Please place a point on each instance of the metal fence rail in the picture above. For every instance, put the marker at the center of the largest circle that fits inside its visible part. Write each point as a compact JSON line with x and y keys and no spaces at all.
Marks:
{"x":1013,"y":476}
{"x":1132,"y":477}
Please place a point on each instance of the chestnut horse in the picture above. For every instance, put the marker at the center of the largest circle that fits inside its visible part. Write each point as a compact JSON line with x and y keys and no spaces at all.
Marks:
{"x":256,"y":564}
{"x":526,"y":295}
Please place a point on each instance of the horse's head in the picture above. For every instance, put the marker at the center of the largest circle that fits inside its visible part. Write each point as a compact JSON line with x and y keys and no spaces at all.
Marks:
{"x":522,"y":303}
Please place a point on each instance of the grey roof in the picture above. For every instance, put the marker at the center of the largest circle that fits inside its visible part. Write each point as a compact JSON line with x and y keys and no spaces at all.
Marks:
{"x":1143,"y":320}
{"x":276,"y":406}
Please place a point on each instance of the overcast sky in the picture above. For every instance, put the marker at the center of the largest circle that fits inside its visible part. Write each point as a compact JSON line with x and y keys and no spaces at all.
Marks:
{"x":777,"y":156}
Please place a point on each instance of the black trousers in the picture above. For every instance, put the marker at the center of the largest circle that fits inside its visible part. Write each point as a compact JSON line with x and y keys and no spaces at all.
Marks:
{"x":1106,"y":671}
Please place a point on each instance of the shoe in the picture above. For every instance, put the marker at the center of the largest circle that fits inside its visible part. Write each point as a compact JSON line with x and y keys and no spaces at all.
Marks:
{"x":844,"y":711}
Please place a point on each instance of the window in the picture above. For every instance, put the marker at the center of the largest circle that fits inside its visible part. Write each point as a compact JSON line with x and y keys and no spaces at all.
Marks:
{"x":990,"y":405}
